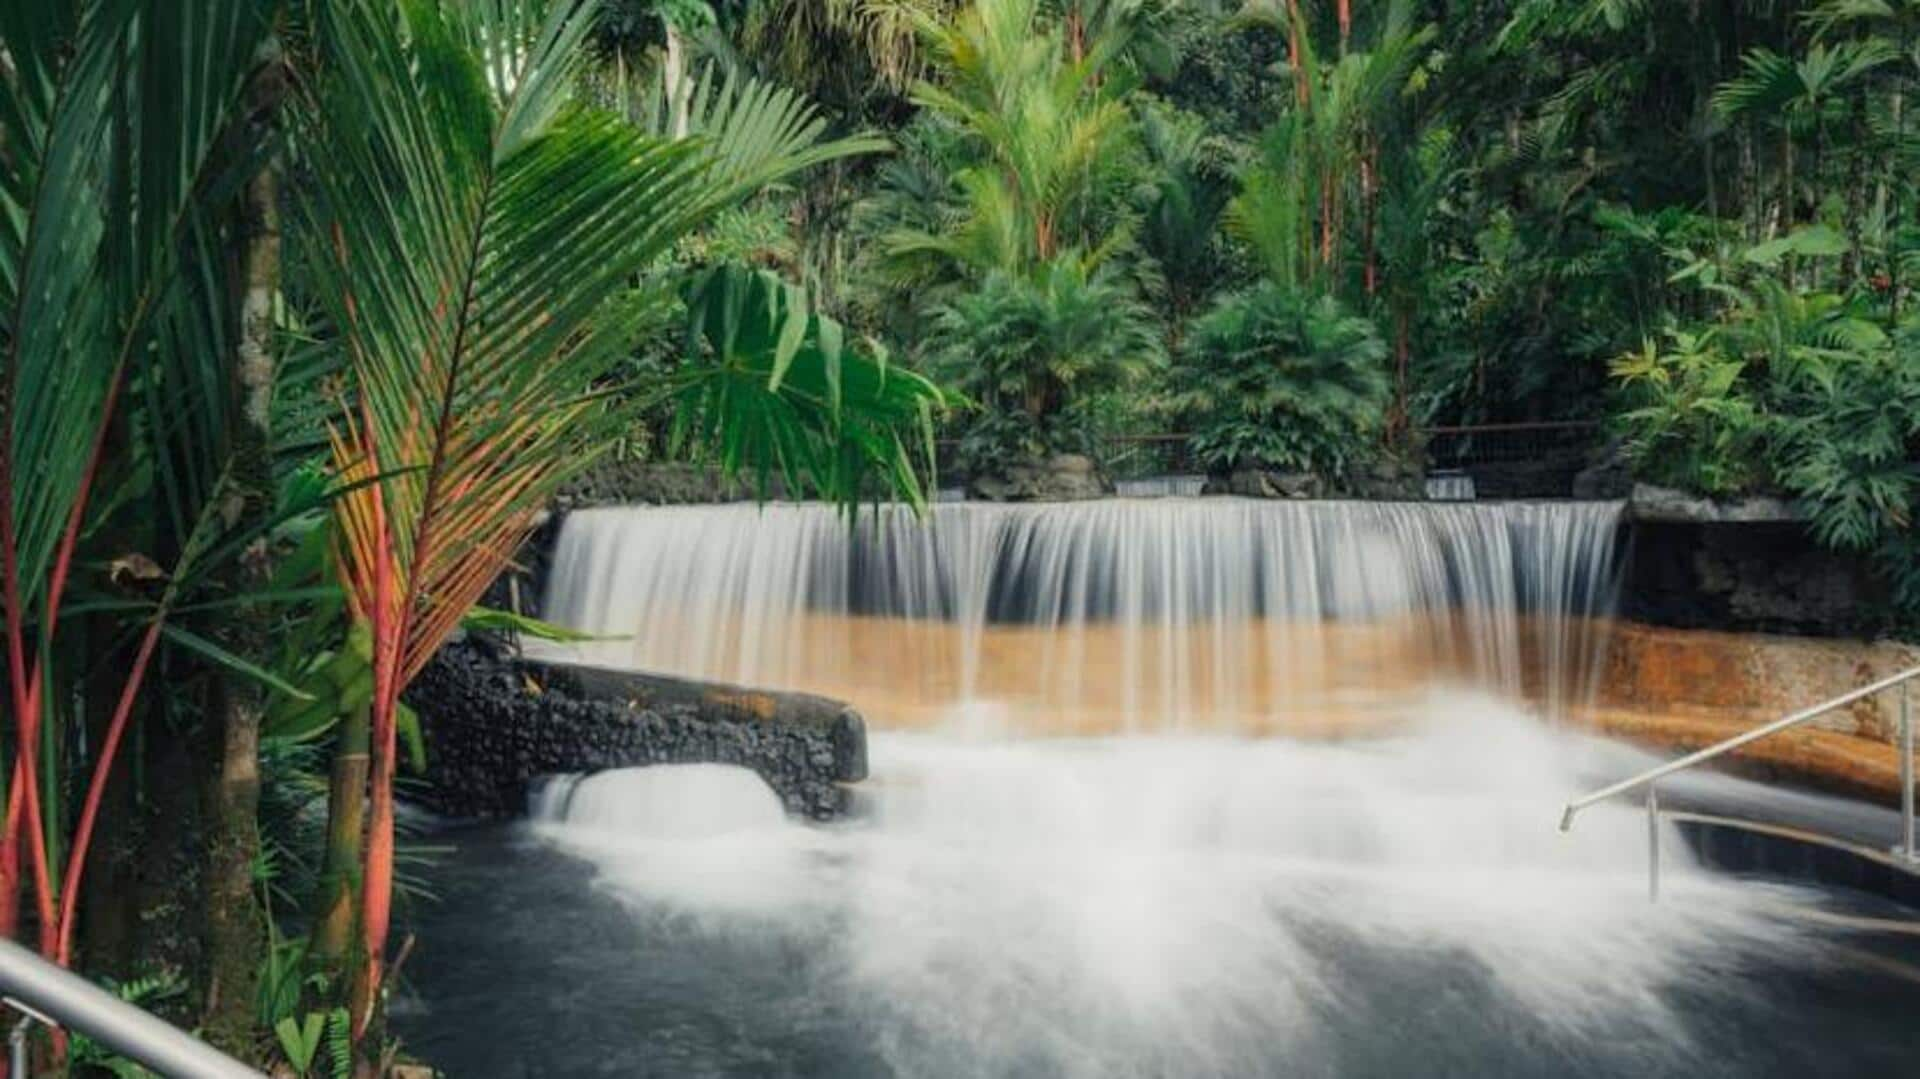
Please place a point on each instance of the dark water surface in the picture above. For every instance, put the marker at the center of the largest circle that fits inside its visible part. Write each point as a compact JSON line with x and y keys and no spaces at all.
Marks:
{"x":526,"y":968}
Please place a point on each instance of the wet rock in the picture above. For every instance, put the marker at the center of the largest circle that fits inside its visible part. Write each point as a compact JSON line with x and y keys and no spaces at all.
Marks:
{"x":1267,"y":483}
{"x":1650,"y":503}
{"x":1768,"y":576}
{"x":489,"y":738}
{"x":1390,"y":479}
{"x":1064,"y":477}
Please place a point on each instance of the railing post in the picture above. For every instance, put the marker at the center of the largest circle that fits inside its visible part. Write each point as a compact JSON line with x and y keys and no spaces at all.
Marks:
{"x":1653,"y":843}
{"x":17,"y":1046}
{"x":1906,"y":770}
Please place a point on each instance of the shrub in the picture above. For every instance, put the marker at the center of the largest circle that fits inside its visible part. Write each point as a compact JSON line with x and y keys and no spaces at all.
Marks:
{"x":1797,"y":393}
{"x":1276,"y":378}
{"x":1695,"y":424}
{"x":1028,"y":349}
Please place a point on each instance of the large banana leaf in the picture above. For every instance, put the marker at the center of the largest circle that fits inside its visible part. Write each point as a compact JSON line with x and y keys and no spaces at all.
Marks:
{"x":776,"y":388}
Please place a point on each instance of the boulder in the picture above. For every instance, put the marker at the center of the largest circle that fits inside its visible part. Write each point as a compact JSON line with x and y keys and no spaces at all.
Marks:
{"x":1064,"y":477}
{"x":1391,"y":479}
{"x":1650,"y":503}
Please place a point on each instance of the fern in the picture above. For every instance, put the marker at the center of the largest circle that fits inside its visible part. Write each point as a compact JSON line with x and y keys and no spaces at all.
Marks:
{"x":340,"y":1043}
{"x":143,"y":991}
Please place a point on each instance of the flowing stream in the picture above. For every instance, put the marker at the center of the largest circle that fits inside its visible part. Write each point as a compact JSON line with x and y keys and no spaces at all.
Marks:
{"x":1168,"y":787}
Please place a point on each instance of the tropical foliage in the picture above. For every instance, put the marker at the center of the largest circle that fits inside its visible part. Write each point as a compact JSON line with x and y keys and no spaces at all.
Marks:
{"x":193,"y":423}
{"x":307,"y":308}
{"x":1277,"y":378}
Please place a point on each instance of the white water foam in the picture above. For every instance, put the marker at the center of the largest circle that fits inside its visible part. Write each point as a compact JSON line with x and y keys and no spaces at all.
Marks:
{"x":1199,"y":905}
{"x":1171,"y":899}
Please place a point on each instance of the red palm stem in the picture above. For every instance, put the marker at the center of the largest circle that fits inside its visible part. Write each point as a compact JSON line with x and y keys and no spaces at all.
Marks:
{"x":96,"y":789}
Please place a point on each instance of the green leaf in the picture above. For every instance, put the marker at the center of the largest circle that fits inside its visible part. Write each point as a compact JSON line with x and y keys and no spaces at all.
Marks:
{"x":488,"y":618}
{"x":335,"y":687}
{"x":206,"y":648}
{"x":407,"y":723}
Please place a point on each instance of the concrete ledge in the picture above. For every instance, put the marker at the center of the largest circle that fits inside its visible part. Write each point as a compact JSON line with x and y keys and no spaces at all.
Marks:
{"x":495,"y":723}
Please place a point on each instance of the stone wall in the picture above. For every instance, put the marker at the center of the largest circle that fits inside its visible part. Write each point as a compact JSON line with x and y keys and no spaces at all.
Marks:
{"x":1684,"y":689}
{"x":1753,"y":677}
{"x":494,"y":723}
{"x":1760,"y":576}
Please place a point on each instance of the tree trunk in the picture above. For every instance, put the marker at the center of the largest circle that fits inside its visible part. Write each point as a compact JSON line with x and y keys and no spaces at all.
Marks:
{"x":1402,"y":357}
{"x":1787,"y":213}
{"x":1892,"y":219}
{"x":376,"y":887}
{"x":1369,"y":198}
{"x":1749,"y":192}
{"x":109,"y":911}
{"x":1326,"y":225}
{"x":1856,"y":262}
{"x":1295,"y":57}
{"x":346,"y":822}
{"x":678,"y":92}
{"x":236,"y":929}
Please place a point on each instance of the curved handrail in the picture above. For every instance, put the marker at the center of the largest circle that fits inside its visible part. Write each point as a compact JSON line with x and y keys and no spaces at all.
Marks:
{"x":56,"y":996}
{"x":1653,"y":776}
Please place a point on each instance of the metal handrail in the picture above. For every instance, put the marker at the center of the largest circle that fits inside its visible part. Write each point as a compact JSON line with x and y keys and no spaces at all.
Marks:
{"x":55,"y":996}
{"x":1651,"y":778}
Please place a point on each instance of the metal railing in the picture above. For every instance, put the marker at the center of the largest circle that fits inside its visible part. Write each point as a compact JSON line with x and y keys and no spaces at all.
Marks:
{"x":1650,"y":779}
{"x":1465,"y":446}
{"x":44,"y":993}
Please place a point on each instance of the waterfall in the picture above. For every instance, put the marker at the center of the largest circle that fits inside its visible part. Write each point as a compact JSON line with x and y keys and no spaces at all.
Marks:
{"x":1161,"y":614}
{"x":1171,"y":897}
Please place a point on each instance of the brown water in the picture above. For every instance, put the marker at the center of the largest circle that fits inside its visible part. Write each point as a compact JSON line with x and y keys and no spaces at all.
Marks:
{"x":1166,"y":615}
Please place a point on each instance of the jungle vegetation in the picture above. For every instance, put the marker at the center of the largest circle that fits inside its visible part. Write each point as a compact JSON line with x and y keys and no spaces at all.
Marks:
{"x":308,"y":306}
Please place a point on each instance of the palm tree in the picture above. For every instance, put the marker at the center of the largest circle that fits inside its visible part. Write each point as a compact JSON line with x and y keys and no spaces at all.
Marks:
{"x":857,"y":47}
{"x":138,"y":284}
{"x":1048,"y":141}
{"x":1181,"y":194}
{"x":114,"y":296}
{"x":483,"y":226}
{"x":1894,"y":25}
{"x":1292,"y":205}
{"x":1793,"y":94}
{"x":1030,"y":344}
{"x":1278,"y":378}
{"x":1015,"y":267}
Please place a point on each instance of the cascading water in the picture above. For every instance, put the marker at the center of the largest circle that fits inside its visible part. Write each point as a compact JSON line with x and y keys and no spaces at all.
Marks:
{"x":1198,"y":882}
{"x":1175,"y":614}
